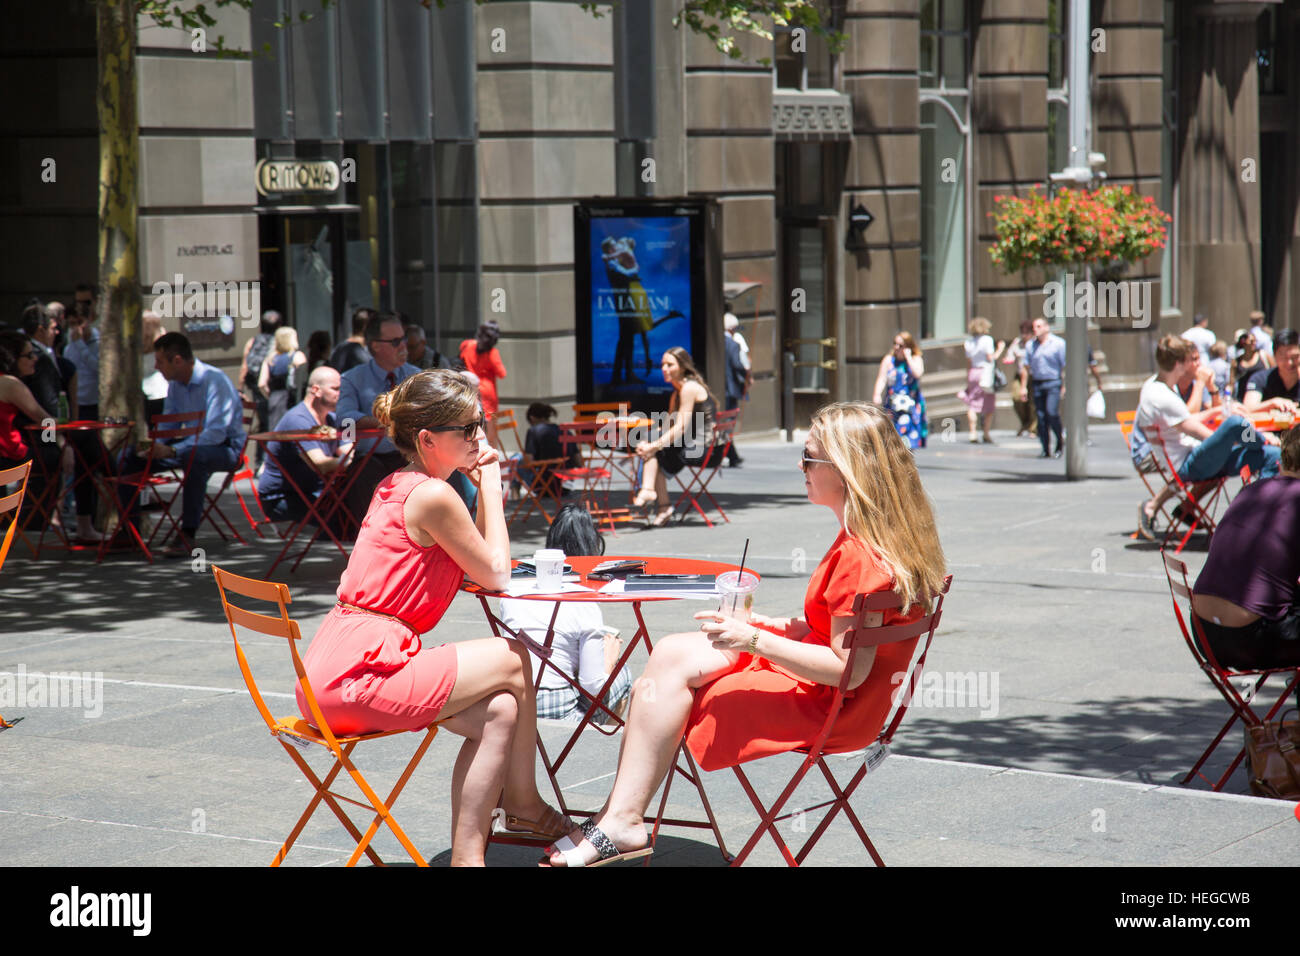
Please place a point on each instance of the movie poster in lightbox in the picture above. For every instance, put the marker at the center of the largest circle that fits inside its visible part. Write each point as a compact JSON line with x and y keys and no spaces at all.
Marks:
{"x":640,"y":301}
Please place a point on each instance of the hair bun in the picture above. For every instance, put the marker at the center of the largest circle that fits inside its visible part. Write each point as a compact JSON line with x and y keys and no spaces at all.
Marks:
{"x":382,"y":408}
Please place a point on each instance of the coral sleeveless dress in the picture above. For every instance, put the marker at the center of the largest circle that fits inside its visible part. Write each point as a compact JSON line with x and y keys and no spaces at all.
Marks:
{"x":488,"y":367}
{"x":372,"y":673}
{"x":758,"y":709}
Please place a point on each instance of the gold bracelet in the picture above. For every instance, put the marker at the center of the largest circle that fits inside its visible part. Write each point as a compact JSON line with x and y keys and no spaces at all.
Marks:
{"x":753,"y":643}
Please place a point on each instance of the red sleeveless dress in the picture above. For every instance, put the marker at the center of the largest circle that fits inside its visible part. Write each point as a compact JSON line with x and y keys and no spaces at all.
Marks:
{"x":759,"y":708}
{"x":371,"y":673}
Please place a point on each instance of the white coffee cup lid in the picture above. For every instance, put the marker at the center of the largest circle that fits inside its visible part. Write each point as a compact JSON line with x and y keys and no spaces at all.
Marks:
{"x":548,"y":554}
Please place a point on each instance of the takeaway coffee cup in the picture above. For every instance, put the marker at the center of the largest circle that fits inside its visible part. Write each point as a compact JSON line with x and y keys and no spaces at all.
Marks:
{"x":737,"y":591}
{"x":549,"y":563}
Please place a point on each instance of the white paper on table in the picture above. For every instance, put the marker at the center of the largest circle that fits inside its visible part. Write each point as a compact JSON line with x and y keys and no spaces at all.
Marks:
{"x":616,"y":587}
{"x":529,"y":586}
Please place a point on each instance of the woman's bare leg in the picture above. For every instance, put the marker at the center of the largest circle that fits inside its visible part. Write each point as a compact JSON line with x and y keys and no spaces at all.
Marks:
{"x":661,"y":702}
{"x":495,"y":709}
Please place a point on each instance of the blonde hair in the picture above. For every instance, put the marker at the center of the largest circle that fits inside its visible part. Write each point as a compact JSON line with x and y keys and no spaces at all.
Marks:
{"x":885,"y":506}
{"x":979,"y":326}
{"x":425,"y":400}
{"x":286,"y":339}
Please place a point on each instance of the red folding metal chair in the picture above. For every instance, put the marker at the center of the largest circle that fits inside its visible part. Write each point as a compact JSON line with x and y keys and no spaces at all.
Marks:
{"x":593,"y":479}
{"x":1196,"y":501}
{"x":165,"y":481}
{"x":699,"y":476}
{"x":867,"y":631}
{"x":1222,"y":677}
{"x":244,"y":471}
{"x":541,"y":493}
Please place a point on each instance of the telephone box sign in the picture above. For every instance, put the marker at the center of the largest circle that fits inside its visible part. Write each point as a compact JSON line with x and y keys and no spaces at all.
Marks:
{"x":281,"y":176}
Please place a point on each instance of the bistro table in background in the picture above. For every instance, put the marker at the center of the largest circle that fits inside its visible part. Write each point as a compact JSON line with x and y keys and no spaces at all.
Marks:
{"x":106,"y":446}
{"x":329,"y":504}
{"x":582,"y":565}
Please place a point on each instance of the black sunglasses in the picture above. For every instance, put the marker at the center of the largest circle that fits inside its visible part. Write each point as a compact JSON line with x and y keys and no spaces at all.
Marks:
{"x":470,"y":430}
{"x":395,"y":343}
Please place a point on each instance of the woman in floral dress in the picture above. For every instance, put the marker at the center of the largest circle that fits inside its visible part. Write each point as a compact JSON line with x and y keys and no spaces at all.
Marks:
{"x":898,"y":388}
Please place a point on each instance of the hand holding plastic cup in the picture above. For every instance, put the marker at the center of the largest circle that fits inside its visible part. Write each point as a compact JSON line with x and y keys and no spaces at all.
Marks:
{"x":737,"y":591}
{"x":549,"y":563}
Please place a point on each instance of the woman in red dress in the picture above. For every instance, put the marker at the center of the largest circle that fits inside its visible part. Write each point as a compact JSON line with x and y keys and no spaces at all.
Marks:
{"x":481,"y":357}
{"x":739,"y":691}
{"x":368,"y":667}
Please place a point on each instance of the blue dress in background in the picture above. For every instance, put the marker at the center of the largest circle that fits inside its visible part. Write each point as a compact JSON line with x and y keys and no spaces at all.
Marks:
{"x":903,"y":400}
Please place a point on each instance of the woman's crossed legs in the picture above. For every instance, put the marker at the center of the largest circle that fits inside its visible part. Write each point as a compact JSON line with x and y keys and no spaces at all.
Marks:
{"x":661,"y":703}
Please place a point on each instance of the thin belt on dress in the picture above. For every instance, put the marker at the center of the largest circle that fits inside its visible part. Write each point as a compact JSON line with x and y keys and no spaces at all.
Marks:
{"x":366,"y":610}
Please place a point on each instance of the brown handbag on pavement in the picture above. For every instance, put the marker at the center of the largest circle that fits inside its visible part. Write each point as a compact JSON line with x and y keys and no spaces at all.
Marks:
{"x":1273,"y":756}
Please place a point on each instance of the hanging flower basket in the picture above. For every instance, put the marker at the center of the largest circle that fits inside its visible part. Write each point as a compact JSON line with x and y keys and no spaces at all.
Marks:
{"x":1110,"y":226}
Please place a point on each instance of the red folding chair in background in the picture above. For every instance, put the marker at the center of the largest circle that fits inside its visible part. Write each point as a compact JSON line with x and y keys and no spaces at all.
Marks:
{"x":699,"y":476}
{"x":867,"y":631}
{"x":593,"y":479}
{"x":541,"y":493}
{"x":243,"y":471}
{"x":166,"y":482}
{"x":1196,"y":501}
{"x":1222,"y":677}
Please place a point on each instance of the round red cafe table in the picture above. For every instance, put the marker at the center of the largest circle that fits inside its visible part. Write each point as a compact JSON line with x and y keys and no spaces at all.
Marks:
{"x":582,"y":564}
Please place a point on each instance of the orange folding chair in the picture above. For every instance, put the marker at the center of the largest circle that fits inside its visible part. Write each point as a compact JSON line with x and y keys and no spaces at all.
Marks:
{"x":541,"y":493}
{"x":867,"y":631}
{"x":12,"y":503}
{"x":1222,"y":677}
{"x":293,"y":732}
{"x":699,"y":476}
{"x":156,"y":477}
{"x":506,"y":419}
{"x":590,"y":411}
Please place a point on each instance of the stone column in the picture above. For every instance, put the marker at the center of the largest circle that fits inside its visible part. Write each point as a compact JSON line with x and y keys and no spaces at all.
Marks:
{"x":1219,"y":200}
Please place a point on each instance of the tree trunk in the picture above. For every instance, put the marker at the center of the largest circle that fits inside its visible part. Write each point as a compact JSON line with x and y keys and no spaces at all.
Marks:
{"x":120,"y":394}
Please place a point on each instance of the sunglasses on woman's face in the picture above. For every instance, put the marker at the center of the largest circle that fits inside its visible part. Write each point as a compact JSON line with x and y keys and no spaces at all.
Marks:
{"x":805,"y":461}
{"x":470,"y":431}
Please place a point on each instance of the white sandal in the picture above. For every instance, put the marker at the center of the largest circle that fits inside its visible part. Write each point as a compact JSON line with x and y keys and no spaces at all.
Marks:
{"x":603,"y":845}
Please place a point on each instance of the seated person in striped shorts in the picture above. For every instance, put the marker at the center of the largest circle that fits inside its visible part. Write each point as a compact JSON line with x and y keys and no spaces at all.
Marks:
{"x":582,"y":647}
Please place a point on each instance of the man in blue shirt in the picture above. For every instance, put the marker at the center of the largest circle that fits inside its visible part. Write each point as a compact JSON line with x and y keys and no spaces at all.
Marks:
{"x":281,"y":497}
{"x":195,"y":386}
{"x":83,"y":351}
{"x":386,"y":339}
{"x":1045,"y":369}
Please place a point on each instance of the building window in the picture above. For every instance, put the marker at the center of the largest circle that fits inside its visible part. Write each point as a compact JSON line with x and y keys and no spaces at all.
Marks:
{"x":803,"y":59}
{"x":945,"y":165}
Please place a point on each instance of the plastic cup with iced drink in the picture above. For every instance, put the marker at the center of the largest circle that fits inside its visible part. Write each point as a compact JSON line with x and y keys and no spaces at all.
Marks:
{"x":737,"y":591}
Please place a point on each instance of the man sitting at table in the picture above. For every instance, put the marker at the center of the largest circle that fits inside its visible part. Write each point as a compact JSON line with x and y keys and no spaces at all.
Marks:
{"x":386,"y":339}
{"x":1246,"y":599}
{"x":283,"y":500}
{"x":1196,"y":452}
{"x":194,"y":386}
{"x":1278,"y":388}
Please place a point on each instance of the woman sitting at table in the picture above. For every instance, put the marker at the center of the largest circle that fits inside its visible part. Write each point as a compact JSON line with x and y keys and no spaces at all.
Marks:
{"x":18,"y":407}
{"x":687,"y":440}
{"x":367,"y":664}
{"x":582,"y":646}
{"x":743,"y":690}
{"x":1246,"y":599}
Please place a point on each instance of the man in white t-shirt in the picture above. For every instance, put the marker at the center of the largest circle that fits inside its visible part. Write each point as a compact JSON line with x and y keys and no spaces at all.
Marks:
{"x":1201,"y":336}
{"x":1195,"y":451}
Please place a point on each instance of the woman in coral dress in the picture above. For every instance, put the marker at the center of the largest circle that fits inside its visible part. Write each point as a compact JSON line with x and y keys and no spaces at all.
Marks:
{"x":742,"y":690}
{"x":481,"y":357}
{"x":369,"y":667}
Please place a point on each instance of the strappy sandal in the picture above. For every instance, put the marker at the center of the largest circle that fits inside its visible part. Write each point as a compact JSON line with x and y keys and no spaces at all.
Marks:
{"x":508,"y":823}
{"x":661,"y":519}
{"x":603,"y":845}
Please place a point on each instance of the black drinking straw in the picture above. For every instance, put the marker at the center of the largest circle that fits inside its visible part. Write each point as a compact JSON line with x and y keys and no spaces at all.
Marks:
{"x":741,"y":576}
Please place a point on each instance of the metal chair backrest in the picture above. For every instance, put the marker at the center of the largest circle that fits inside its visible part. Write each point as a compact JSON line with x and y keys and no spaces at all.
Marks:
{"x":280,"y":625}
{"x":506,"y":419}
{"x":13,"y":502}
{"x":1179,"y":587}
{"x":590,"y":411}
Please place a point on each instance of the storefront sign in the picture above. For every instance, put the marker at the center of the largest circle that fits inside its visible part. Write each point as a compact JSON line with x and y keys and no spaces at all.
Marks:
{"x":204,"y":332}
{"x":296,"y":176}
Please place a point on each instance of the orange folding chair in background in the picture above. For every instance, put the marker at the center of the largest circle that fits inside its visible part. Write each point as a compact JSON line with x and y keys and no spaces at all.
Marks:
{"x":866,"y":632}
{"x":506,"y":419}
{"x":293,"y":732}
{"x":1222,"y":677}
{"x":1196,"y":501}
{"x":12,"y":503}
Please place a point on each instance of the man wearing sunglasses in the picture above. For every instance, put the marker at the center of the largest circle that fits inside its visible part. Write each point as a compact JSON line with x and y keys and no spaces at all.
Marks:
{"x":386,"y":340}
